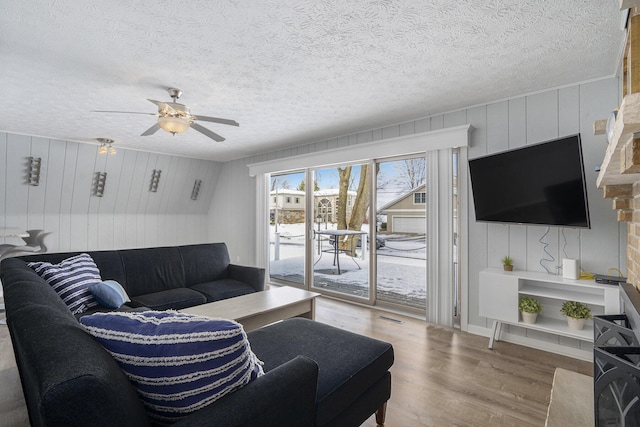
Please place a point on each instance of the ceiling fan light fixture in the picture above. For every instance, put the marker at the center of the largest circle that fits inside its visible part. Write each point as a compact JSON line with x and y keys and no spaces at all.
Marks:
{"x":105,"y":146}
{"x":174,"y":125}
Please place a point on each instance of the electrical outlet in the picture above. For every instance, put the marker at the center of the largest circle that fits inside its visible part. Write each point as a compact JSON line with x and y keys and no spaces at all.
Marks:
{"x":237,"y":258}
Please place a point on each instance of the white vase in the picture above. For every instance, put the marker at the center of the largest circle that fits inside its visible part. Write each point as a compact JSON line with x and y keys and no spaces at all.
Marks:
{"x":529,"y":317}
{"x":575,"y":324}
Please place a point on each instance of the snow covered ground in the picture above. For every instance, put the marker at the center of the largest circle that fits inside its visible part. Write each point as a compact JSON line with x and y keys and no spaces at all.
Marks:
{"x":401,"y":275}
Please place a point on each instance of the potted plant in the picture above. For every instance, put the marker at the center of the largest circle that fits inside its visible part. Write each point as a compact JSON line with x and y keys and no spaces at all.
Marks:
{"x":529,"y":307}
{"x":576,"y":313}
{"x":507,"y":263}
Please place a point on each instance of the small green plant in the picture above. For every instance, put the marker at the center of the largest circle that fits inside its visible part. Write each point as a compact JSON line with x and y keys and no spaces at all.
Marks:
{"x":507,"y":260}
{"x":576,"y":310}
{"x":529,"y":305}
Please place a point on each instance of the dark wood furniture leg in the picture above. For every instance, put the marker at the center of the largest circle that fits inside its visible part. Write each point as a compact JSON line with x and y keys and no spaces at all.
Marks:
{"x":381,"y":414}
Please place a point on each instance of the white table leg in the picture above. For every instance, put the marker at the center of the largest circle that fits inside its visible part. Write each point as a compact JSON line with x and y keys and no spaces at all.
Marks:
{"x":495,"y":333}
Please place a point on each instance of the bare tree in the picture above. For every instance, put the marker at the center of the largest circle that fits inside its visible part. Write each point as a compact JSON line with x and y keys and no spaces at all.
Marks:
{"x":411,"y":173}
{"x":360,"y":204}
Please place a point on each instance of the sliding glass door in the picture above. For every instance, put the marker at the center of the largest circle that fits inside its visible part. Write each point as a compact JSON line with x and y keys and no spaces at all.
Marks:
{"x":287,"y":218}
{"x":383,"y":231}
{"x":401,"y":255}
{"x":341,"y":201}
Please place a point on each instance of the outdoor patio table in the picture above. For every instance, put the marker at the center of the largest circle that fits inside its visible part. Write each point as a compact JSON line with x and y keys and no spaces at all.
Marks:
{"x":336,"y":246}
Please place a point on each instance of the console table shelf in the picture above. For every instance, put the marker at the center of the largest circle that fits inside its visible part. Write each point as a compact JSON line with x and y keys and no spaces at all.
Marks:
{"x":500,"y":292}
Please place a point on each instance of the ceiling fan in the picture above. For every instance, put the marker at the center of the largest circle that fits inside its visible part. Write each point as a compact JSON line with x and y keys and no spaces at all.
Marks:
{"x":177,"y":118}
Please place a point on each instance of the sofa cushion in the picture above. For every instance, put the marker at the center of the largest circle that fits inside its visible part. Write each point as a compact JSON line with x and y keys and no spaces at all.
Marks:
{"x":71,"y":279}
{"x":349,"y":364}
{"x":109,"y":293}
{"x":178,"y":362}
{"x":175,"y":299}
{"x":150,"y":270}
{"x":223,"y":289}
{"x":205,"y":262}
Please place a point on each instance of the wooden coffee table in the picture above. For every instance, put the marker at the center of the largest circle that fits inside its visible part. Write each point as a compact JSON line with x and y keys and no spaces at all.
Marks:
{"x":258,"y":309}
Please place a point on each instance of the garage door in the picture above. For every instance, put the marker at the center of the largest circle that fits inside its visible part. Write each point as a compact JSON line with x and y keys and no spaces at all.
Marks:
{"x":409,"y":224}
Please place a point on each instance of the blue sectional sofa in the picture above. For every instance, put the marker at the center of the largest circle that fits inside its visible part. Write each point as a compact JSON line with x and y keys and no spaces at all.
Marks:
{"x":314,"y":374}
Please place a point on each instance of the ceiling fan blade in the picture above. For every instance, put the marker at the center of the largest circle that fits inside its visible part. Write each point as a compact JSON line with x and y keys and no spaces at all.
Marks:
{"x":163,"y":106}
{"x":151,"y":130}
{"x":124,"y":112}
{"x":215,"y":120}
{"x":203,"y":130}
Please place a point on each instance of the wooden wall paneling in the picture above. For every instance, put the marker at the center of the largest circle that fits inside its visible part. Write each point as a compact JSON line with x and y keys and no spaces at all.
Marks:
{"x":569,"y":124}
{"x":542,"y":125}
{"x":140,"y":179}
{"x":36,"y":194}
{"x":192,"y":173}
{"x":542,"y":116}
{"x":83,"y":182}
{"x":81,"y":237}
{"x":138,"y":190}
{"x":53,"y":196}
{"x":17,"y":193}
{"x":114,"y":167}
{"x":208,"y":173}
{"x":3,"y":181}
{"x":422,"y":125}
{"x":145,"y":194}
{"x":110,"y":225}
{"x":93,"y":226}
{"x":127,"y":181}
{"x":163,"y":163}
{"x":173,"y":179}
{"x":408,"y":128}
{"x":183,"y":186}
{"x":457,"y":118}
{"x":142,"y":219}
{"x":516,"y":119}
{"x":363,"y":137}
{"x":390,"y":132}
{"x":68,"y":178}
{"x":497,"y":127}
{"x":437,"y":122}
{"x":569,"y":111}
{"x":599,"y":251}
{"x":478,"y":231}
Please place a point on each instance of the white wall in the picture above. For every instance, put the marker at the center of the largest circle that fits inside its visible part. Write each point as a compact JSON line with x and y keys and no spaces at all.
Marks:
{"x":497,"y":126}
{"x":127,"y":216}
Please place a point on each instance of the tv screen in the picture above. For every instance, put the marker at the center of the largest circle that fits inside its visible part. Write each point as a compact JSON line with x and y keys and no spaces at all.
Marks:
{"x":540,"y":184}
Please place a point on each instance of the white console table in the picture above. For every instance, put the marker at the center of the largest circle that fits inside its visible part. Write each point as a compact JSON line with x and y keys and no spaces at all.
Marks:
{"x":501,"y":290}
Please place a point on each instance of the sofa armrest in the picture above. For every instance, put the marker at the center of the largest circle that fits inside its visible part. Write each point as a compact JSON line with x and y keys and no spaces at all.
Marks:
{"x":284,"y":396}
{"x":253,"y":276}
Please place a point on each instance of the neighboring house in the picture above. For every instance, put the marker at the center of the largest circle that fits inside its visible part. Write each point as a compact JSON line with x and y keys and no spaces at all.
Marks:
{"x":407,"y":213}
{"x":326,"y":202}
{"x":289,"y":205}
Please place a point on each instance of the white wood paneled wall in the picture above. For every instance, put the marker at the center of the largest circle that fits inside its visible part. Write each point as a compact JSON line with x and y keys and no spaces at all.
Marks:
{"x":498,"y":126}
{"x":127,"y":216}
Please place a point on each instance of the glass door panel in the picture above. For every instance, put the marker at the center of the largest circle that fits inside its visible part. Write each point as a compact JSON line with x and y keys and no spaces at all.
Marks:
{"x":341,"y":200}
{"x":287,"y":228}
{"x":401,"y":256}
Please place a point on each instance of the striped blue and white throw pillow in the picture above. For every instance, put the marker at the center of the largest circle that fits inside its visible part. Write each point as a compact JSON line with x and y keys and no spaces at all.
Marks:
{"x":71,"y":279}
{"x":178,"y":362}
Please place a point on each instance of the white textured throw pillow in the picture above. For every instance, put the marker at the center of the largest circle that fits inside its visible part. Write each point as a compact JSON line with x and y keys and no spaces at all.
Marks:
{"x":178,"y":362}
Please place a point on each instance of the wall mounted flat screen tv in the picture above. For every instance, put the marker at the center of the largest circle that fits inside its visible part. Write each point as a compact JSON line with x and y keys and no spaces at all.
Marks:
{"x":541,"y":184}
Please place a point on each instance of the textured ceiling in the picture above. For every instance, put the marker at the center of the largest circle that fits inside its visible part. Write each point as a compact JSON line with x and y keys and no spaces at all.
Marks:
{"x":289,"y":71}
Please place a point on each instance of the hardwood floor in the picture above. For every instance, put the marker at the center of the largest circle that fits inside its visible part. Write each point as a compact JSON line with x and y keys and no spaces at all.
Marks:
{"x":441,"y":376}
{"x":444,"y":377}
